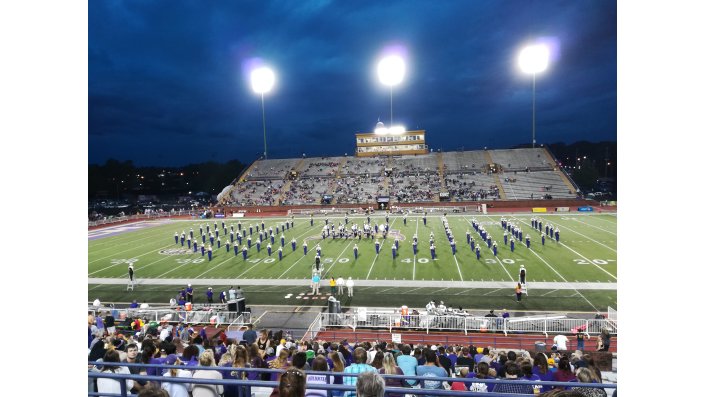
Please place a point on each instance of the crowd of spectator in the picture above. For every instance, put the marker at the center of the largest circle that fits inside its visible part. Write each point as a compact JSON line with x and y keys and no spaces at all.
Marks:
{"x":306,"y":191}
{"x":415,"y":187}
{"x":257,"y":192}
{"x":194,"y":352}
{"x":358,"y":189}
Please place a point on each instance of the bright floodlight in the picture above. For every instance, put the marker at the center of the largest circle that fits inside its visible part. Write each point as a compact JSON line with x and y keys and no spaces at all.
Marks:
{"x":534,"y":59}
{"x":391,"y":70}
{"x":262,"y":80}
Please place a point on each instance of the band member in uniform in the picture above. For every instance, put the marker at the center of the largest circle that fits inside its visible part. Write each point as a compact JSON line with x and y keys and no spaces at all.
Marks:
{"x":281,"y":253}
{"x":244,"y":253}
{"x":477,"y":252}
{"x":528,"y":241}
{"x":259,"y":244}
{"x":355,"y":251}
{"x":494,"y":248}
{"x":269,"y":249}
{"x":543,"y":239}
{"x":511,"y":244}
{"x":227,"y":246}
{"x":377,"y":246}
{"x":176,"y":237}
{"x":415,"y":246}
{"x":293,"y":244}
{"x":433,"y":251}
{"x":305,"y":247}
{"x":558,"y":238}
{"x":452,"y":246}
{"x":235,"y":248}
{"x":394,"y":252}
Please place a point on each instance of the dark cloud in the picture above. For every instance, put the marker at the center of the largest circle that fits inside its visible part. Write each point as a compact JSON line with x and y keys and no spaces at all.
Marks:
{"x":168,"y":76}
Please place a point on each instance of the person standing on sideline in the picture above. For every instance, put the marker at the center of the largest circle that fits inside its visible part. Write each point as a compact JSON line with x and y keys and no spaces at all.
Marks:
{"x":349,"y":284}
{"x":209,"y":295}
{"x":518,"y":292}
{"x":340,"y":283}
{"x":316,"y":282}
{"x":131,"y":274}
{"x":189,"y":293}
{"x":332,"y":286}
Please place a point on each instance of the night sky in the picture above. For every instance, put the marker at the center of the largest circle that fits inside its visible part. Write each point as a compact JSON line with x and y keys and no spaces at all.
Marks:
{"x":168,"y":85}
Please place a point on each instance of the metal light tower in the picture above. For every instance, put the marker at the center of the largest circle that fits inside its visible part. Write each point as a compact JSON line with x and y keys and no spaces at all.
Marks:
{"x":534,"y":59}
{"x":262,"y":80}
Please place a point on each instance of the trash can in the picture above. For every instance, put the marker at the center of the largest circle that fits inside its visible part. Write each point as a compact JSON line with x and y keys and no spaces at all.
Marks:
{"x":333,"y":305}
{"x":540,"y":347}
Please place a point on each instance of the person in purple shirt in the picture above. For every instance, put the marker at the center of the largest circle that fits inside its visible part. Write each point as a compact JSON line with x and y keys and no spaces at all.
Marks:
{"x":209,"y":294}
{"x":541,"y":369}
{"x":189,"y":293}
{"x":134,"y":304}
{"x":528,"y":372}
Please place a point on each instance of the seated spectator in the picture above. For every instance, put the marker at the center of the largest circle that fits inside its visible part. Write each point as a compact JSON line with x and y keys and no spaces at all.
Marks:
{"x":106,"y":385}
{"x":586,"y":375}
{"x":483,"y":370}
{"x":369,"y":384}
{"x":519,"y":387}
{"x":408,"y":364}
{"x":176,"y":389}
{"x":291,"y":384}
{"x":460,"y":386}
{"x":358,"y":367}
{"x":431,"y":369}
{"x":389,"y":367}
{"x":563,"y":373}
{"x":204,"y":390}
{"x":319,"y":364}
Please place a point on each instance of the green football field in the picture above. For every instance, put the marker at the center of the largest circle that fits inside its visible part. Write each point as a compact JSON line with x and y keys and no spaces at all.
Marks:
{"x":578,"y":273}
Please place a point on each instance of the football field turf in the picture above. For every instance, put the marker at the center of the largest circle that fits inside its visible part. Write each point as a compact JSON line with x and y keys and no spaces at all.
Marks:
{"x":577,"y":273}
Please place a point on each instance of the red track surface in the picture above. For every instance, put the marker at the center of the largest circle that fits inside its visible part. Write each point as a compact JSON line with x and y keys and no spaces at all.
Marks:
{"x":512,"y":341}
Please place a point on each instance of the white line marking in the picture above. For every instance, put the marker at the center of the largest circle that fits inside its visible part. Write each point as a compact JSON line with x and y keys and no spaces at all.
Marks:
{"x":380,"y":250}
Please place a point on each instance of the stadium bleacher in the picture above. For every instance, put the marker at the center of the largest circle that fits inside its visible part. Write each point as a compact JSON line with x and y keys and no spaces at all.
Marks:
{"x":515,"y":174}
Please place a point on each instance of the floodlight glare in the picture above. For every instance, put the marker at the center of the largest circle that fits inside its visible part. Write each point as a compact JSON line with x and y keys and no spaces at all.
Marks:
{"x":397,"y":130}
{"x":262,"y":80}
{"x":534,"y":59}
{"x":391,"y":70}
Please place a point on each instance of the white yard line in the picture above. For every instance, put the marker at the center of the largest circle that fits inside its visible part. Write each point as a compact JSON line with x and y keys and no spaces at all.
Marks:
{"x":262,"y":260}
{"x":595,"y":241}
{"x":457,"y":265}
{"x":380,"y":250}
{"x":129,"y":249}
{"x":599,"y":228}
{"x":493,"y":291}
{"x":116,"y":264}
{"x":580,"y":255}
{"x":498,"y":259}
{"x":413,"y":289}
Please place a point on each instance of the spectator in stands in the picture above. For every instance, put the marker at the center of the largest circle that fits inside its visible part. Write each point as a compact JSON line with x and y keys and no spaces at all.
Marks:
{"x":153,"y":391}
{"x":205,"y":390}
{"x":106,"y":385}
{"x":408,"y":364}
{"x":586,"y":375}
{"x":541,"y":369}
{"x":176,"y":389}
{"x":263,"y":342}
{"x":280,"y":362}
{"x":110,"y":323}
{"x":318,"y":364}
{"x":190,"y":356}
{"x":464,"y":359}
{"x":563,"y":373}
{"x":528,"y":374}
{"x":604,"y":340}
{"x":369,"y":385}
{"x":482,"y":372}
{"x":256,"y":361}
{"x":359,"y":366}
{"x":591,"y":365}
{"x":512,"y":372}
{"x":389,"y":367}
{"x":377,"y":361}
{"x":338,"y":366}
{"x":347,"y":356}
{"x":291,"y":384}
{"x":299,"y":361}
{"x":250,"y":335}
{"x":431,"y":369}
{"x":240,"y":360}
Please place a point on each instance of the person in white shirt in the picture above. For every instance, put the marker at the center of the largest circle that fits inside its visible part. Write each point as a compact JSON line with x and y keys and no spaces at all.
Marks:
{"x":560,"y":342}
{"x":106,"y":385}
{"x":205,"y":390}
{"x":349,"y":284}
{"x":176,"y":389}
{"x":340,"y":282}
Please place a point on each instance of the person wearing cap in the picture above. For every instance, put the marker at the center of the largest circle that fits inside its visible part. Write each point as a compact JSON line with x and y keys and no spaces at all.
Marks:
{"x":209,"y":295}
{"x":280,"y":346}
{"x":189,"y":293}
{"x":249,"y":336}
{"x":223,"y":297}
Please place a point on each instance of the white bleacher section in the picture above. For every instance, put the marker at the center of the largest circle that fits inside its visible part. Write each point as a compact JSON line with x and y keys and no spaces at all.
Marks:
{"x":520,"y":159}
{"x":522,"y":185}
{"x":364,"y":166}
{"x":464,"y":161}
{"x":263,"y":192}
{"x":471,"y":186}
{"x":271,"y":169}
{"x":415,"y":188}
{"x":319,"y":166}
{"x":413,"y":178}
{"x":306,"y":191}
{"x":358,"y":189}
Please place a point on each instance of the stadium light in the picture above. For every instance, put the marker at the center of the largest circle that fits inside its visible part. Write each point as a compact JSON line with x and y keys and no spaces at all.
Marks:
{"x":534,"y":59}
{"x":262,"y":80}
{"x":391,"y":70}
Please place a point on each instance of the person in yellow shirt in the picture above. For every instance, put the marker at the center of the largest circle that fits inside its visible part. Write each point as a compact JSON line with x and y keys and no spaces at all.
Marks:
{"x":332,"y":286}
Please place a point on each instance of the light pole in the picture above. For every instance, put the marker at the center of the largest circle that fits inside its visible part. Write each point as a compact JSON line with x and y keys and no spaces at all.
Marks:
{"x":262,"y":80}
{"x":533,"y":59}
{"x":390,"y":71}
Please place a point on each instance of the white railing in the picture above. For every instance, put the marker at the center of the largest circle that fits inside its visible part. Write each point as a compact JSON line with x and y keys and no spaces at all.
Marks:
{"x":612,"y":314}
{"x":430,"y":322}
{"x":314,"y":328}
{"x":213,"y":317}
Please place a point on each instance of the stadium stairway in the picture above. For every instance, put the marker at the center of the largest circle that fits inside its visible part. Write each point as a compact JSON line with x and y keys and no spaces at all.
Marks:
{"x":287,"y":184}
{"x":343,"y":161}
{"x":441,"y":172}
{"x":564,"y":178}
{"x":502,"y":194}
